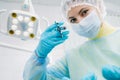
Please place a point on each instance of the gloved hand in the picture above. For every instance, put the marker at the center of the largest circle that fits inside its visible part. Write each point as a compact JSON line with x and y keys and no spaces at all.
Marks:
{"x":111,"y":72}
{"x":50,"y":38}
{"x":89,"y":76}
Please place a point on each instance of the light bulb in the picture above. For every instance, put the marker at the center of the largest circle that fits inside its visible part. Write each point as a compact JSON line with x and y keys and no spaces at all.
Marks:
{"x":31,"y":24}
{"x":27,"y":19}
{"x":14,"y":27}
{"x":17,"y":32}
{"x":15,"y":21}
{"x":30,"y":30}
{"x":20,"y":18}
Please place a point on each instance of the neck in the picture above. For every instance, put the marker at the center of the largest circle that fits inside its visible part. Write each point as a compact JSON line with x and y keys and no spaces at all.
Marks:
{"x":105,"y":30}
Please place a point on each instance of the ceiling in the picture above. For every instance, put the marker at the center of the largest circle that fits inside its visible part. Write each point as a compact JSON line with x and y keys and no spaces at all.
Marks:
{"x":41,"y":2}
{"x":112,"y":5}
{"x":56,"y":2}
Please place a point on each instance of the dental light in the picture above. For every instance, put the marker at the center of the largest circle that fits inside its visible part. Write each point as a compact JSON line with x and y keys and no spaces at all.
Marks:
{"x":23,"y":23}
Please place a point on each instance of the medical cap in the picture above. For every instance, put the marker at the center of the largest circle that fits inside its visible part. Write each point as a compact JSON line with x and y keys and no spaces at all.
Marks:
{"x":68,"y":4}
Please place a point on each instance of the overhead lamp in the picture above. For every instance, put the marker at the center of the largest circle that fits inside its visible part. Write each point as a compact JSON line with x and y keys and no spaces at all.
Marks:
{"x":23,"y":23}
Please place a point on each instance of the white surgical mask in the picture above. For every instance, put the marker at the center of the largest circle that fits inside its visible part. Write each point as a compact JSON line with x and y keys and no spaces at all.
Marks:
{"x":89,"y":26}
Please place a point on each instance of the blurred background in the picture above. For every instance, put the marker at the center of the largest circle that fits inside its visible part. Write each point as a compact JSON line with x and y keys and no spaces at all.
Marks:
{"x":14,"y":52}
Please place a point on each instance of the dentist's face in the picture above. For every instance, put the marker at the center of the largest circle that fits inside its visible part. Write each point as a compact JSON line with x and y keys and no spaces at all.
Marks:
{"x":76,"y":14}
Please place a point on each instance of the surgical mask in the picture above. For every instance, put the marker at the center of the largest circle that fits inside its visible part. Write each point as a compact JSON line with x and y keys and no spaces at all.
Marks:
{"x":89,"y":26}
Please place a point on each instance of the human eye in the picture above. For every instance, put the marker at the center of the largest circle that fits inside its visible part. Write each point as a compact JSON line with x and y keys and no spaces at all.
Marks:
{"x":73,"y":20}
{"x":84,"y":13}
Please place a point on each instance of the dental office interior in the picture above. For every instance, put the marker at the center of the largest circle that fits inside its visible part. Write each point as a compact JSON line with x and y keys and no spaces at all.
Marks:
{"x":16,"y":50}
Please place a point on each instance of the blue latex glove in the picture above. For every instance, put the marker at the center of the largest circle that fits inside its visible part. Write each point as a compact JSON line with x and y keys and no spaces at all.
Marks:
{"x":90,"y":76}
{"x":50,"y":38}
{"x":111,"y":72}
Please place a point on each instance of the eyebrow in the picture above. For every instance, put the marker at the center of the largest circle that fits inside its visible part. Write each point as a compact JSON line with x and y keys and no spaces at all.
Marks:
{"x":78,"y":12}
{"x":71,"y":17}
{"x":81,"y":10}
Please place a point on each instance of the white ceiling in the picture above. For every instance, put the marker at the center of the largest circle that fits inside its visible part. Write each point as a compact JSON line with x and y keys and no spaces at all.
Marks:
{"x":57,"y":2}
{"x":41,"y":2}
{"x":112,"y":5}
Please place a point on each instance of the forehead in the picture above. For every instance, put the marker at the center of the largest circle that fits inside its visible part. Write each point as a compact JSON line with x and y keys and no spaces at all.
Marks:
{"x":74,"y":10}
